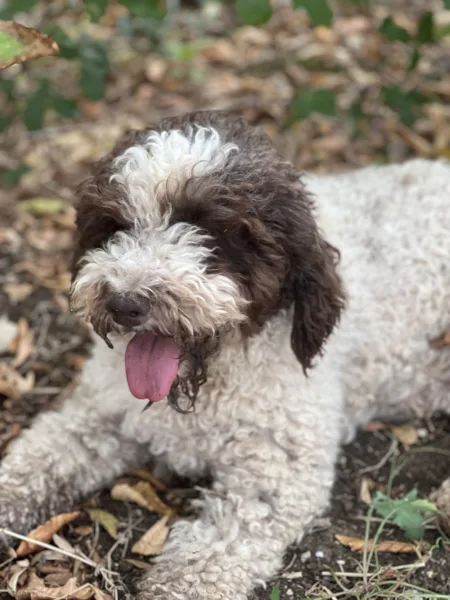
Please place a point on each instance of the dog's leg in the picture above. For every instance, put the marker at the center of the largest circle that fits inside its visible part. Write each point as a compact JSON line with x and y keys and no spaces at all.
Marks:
{"x":264,"y":497}
{"x":63,"y":457}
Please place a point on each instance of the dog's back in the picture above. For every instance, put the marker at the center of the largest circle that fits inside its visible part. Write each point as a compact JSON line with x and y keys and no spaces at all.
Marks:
{"x":392,"y":227}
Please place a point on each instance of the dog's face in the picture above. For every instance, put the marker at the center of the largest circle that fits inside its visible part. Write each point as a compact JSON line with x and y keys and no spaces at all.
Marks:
{"x":191,"y":229}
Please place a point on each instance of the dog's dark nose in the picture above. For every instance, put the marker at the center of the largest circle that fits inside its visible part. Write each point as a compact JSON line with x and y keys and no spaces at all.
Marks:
{"x":128,"y":310}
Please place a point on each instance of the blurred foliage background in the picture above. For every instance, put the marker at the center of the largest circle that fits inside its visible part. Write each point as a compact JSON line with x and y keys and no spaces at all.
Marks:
{"x":336,"y":82}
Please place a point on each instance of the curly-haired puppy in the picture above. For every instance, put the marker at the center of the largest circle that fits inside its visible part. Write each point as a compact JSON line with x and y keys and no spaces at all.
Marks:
{"x":265,"y":316}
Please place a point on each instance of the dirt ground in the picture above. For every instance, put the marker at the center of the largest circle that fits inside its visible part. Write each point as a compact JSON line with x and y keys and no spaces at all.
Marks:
{"x":254,"y":72}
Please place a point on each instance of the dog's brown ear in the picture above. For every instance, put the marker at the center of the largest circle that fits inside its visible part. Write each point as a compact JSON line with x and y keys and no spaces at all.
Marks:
{"x":312,"y":284}
{"x":318,"y":298}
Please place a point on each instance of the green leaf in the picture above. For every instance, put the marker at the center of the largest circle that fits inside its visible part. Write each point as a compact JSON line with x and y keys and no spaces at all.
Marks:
{"x":10,"y":47}
{"x":409,"y":513}
{"x":43,"y":206}
{"x":96,"y":9}
{"x":92,"y":83}
{"x":68,"y":48}
{"x":33,"y":115}
{"x":393,"y":32}
{"x":318,"y":10}
{"x":108,"y":521}
{"x":447,"y":4}
{"x":94,"y":69}
{"x":425,"y":29}
{"x":442,"y":32}
{"x":148,"y":9}
{"x":253,"y":12}
{"x":7,"y":86}
{"x":415,"y":58}
{"x":355,"y":115}
{"x":10,"y":177}
{"x":6,"y":14}
{"x":5,"y":121}
{"x":275,"y":593}
{"x":66,"y":107}
{"x":324,"y":102}
{"x":16,"y":6}
{"x":307,"y":102}
{"x":405,"y":104}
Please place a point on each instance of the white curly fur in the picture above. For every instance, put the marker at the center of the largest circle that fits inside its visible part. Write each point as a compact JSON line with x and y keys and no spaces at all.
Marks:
{"x":152,"y":260}
{"x":269,"y":435}
{"x":163,"y":163}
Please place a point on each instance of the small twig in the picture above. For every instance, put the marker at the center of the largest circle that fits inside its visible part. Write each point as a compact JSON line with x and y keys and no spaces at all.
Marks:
{"x":393,"y":447}
{"x":24,"y":538}
{"x":292,"y":561}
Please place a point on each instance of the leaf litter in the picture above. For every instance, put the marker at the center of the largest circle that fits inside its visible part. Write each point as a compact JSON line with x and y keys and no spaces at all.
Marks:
{"x":254,"y":72}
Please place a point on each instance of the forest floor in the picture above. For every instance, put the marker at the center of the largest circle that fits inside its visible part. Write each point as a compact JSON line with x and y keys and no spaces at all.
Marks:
{"x":254,"y":72}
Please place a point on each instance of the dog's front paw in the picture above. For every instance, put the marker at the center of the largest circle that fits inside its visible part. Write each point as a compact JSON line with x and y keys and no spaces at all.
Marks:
{"x":16,"y":516}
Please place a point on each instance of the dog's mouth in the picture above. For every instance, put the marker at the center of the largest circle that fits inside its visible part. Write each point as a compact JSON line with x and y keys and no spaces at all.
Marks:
{"x":151,"y":365}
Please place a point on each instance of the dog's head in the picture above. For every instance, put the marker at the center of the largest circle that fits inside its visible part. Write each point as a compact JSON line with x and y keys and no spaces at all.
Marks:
{"x":193,"y":228}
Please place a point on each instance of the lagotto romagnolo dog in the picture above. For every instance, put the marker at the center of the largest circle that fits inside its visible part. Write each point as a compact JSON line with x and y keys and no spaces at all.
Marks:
{"x":265,"y":315}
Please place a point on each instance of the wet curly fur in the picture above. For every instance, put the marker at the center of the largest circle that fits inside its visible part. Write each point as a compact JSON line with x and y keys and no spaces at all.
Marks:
{"x":303,"y":307}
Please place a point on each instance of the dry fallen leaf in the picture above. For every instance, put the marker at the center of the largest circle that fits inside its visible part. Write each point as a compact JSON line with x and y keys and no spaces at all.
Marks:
{"x":375,"y":426}
{"x":367,"y":485}
{"x":49,"y":272}
{"x":406,"y":434}
{"x":153,"y":540}
{"x":75,"y":360}
{"x":45,"y":532}
{"x":83,"y":530}
{"x":105,"y":519}
{"x":22,"y":345}
{"x":63,"y":543}
{"x":17,"y":292}
{"x":16,"y":573}
{"x":12,"y":384}
{"x":72,"y":590}
{"x":147,"y":475}
{"x":357,"y":545}
{"x":140,"y":564}
{"x":142,"y":494}
{"x":19,"y":43}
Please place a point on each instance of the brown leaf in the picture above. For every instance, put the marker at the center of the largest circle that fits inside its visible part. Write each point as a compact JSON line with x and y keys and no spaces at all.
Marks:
{"x":105,"y":519}
{"x":83,"y":530}
{"x":357,"y":545}
{"x":37,"y":590}
{"x":406,"y":434}
{"x":23,"y":43}
{"x":17,"y":292}
{"x":148,"y":476}
{"x":16,"y":574}
{"x":139,"y":564}
{"x":12,"y":384}
{"x":142,"y":494}
{"x":22,"y":345}
{"x":367,"y":485}
{"x":152,"y":542}
{"x":44,"y":533}
{"x":99,"y":595}
{"x":375,"y":426}
{"x":75,"y":360}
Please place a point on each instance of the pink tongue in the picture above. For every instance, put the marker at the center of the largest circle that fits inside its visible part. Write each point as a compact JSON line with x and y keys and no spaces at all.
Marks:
{"x":151,"y":364}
